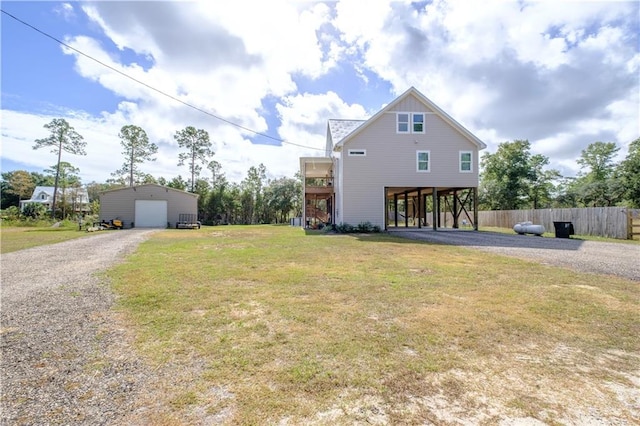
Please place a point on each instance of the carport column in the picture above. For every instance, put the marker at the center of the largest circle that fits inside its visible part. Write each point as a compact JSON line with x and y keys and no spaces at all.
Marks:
{"x":395,"y":208}
{"x":455,"y":209}
{"x":424,"y":203}
{"x":419,"y":208}
{"x":435,"y":208}
{"x":475,"y":208}
{"x":406,"y":209}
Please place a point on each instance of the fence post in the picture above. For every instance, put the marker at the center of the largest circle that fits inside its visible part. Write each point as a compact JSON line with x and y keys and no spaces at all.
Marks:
{"x":629,"y":224}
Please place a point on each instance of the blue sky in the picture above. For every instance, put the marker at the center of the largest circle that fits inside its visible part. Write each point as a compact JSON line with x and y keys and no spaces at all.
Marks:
{"x":560,"y":74}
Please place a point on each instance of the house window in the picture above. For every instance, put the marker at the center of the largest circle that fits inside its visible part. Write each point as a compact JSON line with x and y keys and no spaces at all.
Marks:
{"x":465,"y":161}
{"x":422,"y":160}
{"x":417,"y":121}
{"x":403,"y":123}
{"x":357,"y":153}
{"x":410,"y":122}
{"x":43,"y":197}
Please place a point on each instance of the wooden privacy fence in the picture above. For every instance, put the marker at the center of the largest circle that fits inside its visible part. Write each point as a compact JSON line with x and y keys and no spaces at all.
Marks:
{"x":611,"y":222}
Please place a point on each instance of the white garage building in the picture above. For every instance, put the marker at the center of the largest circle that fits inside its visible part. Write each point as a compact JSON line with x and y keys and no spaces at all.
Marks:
{"x":147,"y":206}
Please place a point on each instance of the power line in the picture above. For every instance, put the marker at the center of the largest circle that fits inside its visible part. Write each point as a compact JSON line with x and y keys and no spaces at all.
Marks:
{"x":155,"y":89}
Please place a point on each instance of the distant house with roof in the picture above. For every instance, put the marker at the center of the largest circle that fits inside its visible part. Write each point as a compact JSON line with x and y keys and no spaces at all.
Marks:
{"x":403,"y":167}
{"x":76,"y":199}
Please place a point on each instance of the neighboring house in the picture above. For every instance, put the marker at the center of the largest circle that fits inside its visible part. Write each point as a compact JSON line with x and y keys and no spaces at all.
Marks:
{"x":147,"y":206}
{"x":392,"y":170}
{"x":77,"y":199}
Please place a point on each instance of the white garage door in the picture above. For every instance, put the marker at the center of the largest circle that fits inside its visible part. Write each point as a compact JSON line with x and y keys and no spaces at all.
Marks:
{"x":151,"y":214}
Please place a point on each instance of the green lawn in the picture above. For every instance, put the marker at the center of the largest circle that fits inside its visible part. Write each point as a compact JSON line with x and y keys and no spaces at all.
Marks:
{"x":270,"y":325}
{"x":13,"y":238}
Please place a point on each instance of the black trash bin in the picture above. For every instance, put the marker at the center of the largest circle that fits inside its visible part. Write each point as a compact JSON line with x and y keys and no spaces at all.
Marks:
{"x":563,"y":229}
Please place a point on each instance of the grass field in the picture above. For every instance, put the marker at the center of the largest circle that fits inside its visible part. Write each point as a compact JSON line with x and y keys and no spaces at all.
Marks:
{"x":13,"y":238}
{"x":271,"y":325}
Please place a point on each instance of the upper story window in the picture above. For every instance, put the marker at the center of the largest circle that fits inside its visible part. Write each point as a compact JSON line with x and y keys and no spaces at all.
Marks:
{"x":423,"y":161}
{"x":410,"y":122}
{"x":403,"y":123}
{"x":466,"y":161}
{"x":357,"y":152}
{"x":418,"y":123}
{"x":43,"y":196}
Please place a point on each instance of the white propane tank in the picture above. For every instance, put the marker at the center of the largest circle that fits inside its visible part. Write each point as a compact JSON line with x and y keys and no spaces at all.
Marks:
{"x":528,"y":228}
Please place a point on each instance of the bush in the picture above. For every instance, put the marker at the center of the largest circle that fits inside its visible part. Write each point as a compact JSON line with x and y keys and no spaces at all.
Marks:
{"x":361,"y":228}
{"x":11,"y":213}
{"x":34,"y":210}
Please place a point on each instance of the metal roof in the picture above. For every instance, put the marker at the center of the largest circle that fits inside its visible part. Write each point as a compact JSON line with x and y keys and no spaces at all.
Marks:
{"x":341,"y":128}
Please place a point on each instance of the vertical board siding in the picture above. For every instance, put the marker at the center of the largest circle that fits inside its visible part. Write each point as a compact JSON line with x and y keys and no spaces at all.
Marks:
{"x":611,"y":222}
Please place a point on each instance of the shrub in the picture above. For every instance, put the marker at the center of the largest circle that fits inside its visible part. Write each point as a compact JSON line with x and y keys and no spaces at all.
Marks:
{"x":34,"y":210}
{"x":11,"y":213}
{"x":362,"y":228}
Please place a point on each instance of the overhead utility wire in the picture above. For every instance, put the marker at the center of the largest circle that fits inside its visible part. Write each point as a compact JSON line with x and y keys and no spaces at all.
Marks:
{"x":157,"y":90}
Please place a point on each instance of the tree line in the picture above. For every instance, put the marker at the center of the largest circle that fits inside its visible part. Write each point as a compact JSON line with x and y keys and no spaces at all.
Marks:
{"x":511,"y":178}
{"x":256,"y":199}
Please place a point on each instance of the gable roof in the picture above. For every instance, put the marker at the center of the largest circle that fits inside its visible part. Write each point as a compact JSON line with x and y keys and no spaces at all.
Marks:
{"x":48,"y":190}
{"x":341,"y":128}
{"x":127,"y":188}
{"x":342,"y":139}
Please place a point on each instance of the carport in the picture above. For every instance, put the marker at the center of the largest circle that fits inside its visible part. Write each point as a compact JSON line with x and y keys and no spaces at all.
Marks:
{"x":431,"y":207}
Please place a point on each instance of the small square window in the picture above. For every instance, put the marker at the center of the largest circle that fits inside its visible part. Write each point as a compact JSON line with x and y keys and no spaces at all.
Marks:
{"x":403,"y":123}
{"x":422,"y":160}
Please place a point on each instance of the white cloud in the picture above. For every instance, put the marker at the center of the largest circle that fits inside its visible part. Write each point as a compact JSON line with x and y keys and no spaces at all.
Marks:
{"x":305,"y":117}
{"x":65,"y":10}
{"x":511,"y":70}
{"x":561,"y":74}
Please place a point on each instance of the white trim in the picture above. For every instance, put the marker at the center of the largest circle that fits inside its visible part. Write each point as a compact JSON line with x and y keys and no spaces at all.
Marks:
{"x":357,"y":152}
{"x":470,"y":161}
{"x":428,"y":161}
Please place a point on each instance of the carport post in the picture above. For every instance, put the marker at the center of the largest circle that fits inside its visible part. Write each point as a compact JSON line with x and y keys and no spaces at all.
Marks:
{"x":395,"y":208}
{"x":419,"y":208}
{"x":435,"y":208}
{"x":406,"y":209}
{"x":455,"y":209}
{"x":475,"y":209}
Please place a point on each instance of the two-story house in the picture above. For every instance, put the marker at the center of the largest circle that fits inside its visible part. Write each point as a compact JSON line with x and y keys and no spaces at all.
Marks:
{"x":76,"y":198}
{"x":410,"y":165}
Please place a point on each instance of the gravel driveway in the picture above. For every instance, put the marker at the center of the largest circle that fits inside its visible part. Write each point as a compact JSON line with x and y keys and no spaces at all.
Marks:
{"x":63,"y":359}
{"x":621,"y":259}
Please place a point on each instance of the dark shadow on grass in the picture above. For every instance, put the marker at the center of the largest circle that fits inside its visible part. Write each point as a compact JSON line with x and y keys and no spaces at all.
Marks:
{"x":459,"y":237}
{"x":488,"y":239}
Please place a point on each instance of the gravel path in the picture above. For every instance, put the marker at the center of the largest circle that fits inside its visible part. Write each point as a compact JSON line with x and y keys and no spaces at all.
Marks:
{"x":619,"y":259}
{"x":64,"y":361}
